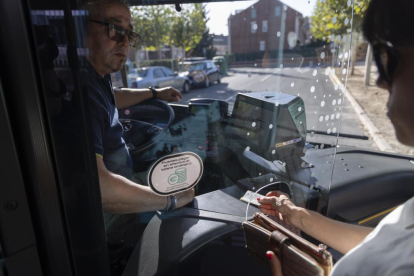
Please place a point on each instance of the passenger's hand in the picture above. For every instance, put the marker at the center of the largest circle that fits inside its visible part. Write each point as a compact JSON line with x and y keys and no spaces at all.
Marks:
{"x":278,"y":204}
{"x":185,"y":197}
{"x":275,"y":264}
{"x":169,"y":94}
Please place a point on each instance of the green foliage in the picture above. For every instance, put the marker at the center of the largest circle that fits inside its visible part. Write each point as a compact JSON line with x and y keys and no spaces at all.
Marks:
{"x":333,"y":17}
{"x":207,"y":43}
{"x":161,"y":25}
{"x":188,"y":28}
{"x":150,"y":23}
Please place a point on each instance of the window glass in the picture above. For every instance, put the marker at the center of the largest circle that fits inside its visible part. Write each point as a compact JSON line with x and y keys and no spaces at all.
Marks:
{"x":253,"y":27}
{"x":142,"y":72}
{"x":168,"y":72}
{"x":262,"y":45}
{"x":264,"y":26}
{"x":253,"y":12}
{"x":277,"y":114}
{"x":158,"y":73}
{"x":278,"y":10}
{"x":60,"y":65}
{"x":281,"y":104}
{"x":193,"y":66}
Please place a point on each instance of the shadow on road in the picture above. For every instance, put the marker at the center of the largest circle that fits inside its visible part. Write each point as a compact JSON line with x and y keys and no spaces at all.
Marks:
{"x":268,"y":73}
{"x":218,"y":86}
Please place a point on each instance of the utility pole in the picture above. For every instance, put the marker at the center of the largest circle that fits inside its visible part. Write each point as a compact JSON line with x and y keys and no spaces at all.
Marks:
{"x":368,"y":63}
{"x":281,"y":44}
{"x":282,"y":36}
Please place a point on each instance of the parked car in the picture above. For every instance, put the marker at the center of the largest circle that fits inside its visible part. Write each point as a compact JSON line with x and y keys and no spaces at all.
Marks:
{"x":200,"y":72}
{"x":158,"y":76}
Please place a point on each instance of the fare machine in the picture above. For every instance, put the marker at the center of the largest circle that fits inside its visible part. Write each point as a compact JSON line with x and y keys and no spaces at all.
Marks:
{"x":270,"y":125}
{"x":270,"y":130}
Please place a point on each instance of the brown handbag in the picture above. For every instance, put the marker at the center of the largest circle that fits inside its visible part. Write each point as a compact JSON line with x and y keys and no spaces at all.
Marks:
{"x":297,"y":255}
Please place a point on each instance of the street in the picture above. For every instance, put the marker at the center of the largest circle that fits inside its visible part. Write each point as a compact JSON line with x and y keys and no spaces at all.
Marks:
{"x":326,"y":110}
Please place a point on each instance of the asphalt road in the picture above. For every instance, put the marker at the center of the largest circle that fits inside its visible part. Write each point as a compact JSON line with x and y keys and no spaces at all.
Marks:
{"x":327,"y":111}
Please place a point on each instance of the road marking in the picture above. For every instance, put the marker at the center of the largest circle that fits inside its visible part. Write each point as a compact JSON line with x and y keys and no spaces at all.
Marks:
{"x":300,"y":70}
{"x":265,"y":78}
{"x":363,"y":117}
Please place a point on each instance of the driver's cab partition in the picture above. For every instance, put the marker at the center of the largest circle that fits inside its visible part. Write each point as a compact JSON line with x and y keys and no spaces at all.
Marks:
{"x":265,"y":134}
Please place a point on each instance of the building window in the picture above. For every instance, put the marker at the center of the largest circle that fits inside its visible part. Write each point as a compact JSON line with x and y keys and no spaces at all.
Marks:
{"x":253,"y":27}
{"x":278,"y":11}
{"x":253,"y":13}
{"x":264,"y":26}
{"x":262,"y":45}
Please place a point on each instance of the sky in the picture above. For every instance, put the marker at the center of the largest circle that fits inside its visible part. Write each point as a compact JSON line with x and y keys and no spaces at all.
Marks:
{"x":219,"y":12}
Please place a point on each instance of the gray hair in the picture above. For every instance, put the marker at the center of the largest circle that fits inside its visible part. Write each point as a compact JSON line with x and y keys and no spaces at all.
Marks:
{"x":92,"y":5}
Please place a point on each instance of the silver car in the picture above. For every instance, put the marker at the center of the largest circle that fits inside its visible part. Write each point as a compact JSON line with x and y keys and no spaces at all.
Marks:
{"x":158,"y":76}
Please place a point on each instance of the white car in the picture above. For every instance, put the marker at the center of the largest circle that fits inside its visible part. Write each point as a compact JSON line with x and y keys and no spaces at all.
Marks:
{"x":157,"y":76}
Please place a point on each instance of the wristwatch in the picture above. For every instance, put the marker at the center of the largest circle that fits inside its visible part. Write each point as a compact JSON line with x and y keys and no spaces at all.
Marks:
{"x":167,"y":208}
{"x":173,"y":203}
{"x":154,"y":92}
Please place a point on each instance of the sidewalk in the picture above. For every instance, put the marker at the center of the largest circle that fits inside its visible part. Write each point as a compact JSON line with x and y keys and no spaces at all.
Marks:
{"x":373,"y":101}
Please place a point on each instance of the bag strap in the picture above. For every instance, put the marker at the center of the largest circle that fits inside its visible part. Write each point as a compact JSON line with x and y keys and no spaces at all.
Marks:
{"x":276,"y":241}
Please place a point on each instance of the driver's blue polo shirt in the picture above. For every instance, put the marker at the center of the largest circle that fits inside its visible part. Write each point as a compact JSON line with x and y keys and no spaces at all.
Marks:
{"x":106,"y":128}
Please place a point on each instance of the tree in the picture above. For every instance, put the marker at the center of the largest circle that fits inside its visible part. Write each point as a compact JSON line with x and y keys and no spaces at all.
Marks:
{"x":205,"y":47}
{"x":161,"y":25}
{"x":188,"y":29}
{"x":332,"y":21}
{"x":150,"y":23}
{"x":333,"y":17}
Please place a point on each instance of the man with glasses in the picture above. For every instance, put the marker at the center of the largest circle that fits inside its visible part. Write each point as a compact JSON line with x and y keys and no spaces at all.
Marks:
{"x":110,"y":34}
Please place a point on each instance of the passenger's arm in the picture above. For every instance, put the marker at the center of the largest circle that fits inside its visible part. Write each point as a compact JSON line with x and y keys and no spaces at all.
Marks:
{"x":338,"y":235}
{"x":127,"y":96}
{"x":122,"y":196}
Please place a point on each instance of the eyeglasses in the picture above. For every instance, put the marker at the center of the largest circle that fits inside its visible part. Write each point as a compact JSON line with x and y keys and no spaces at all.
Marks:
{"x":386,"y":58}
{"x":118,"y":33}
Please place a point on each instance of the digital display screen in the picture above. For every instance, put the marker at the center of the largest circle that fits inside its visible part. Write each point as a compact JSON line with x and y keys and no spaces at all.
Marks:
{"x":252,"y":122}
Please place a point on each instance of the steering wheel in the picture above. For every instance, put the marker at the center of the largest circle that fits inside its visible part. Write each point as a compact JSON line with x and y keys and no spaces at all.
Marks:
{"x":143,"y":135}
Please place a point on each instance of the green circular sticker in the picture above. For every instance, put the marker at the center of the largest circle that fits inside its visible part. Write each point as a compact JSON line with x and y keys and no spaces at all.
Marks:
{"x":174,"y":173}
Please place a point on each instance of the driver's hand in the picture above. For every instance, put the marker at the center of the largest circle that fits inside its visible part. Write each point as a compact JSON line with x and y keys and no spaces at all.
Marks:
{"x":277,"y":204}
{"x":185,"y":197}
{"x":168,"y":94}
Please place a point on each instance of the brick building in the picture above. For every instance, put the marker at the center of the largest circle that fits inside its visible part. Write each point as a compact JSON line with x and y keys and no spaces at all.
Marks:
{"x":260,"y":28}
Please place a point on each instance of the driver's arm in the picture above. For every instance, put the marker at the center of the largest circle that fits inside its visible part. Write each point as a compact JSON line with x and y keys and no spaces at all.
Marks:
{"x":122,"y":196}
{"x":126,"y":97}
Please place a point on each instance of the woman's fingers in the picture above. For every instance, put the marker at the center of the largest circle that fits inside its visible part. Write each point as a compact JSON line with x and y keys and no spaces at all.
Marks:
{"x":266,"y":200}
{"x":277,"y":194}
{"x":266,"y":206}
{"x":273,"y":193}
{"x":275,"y":264}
